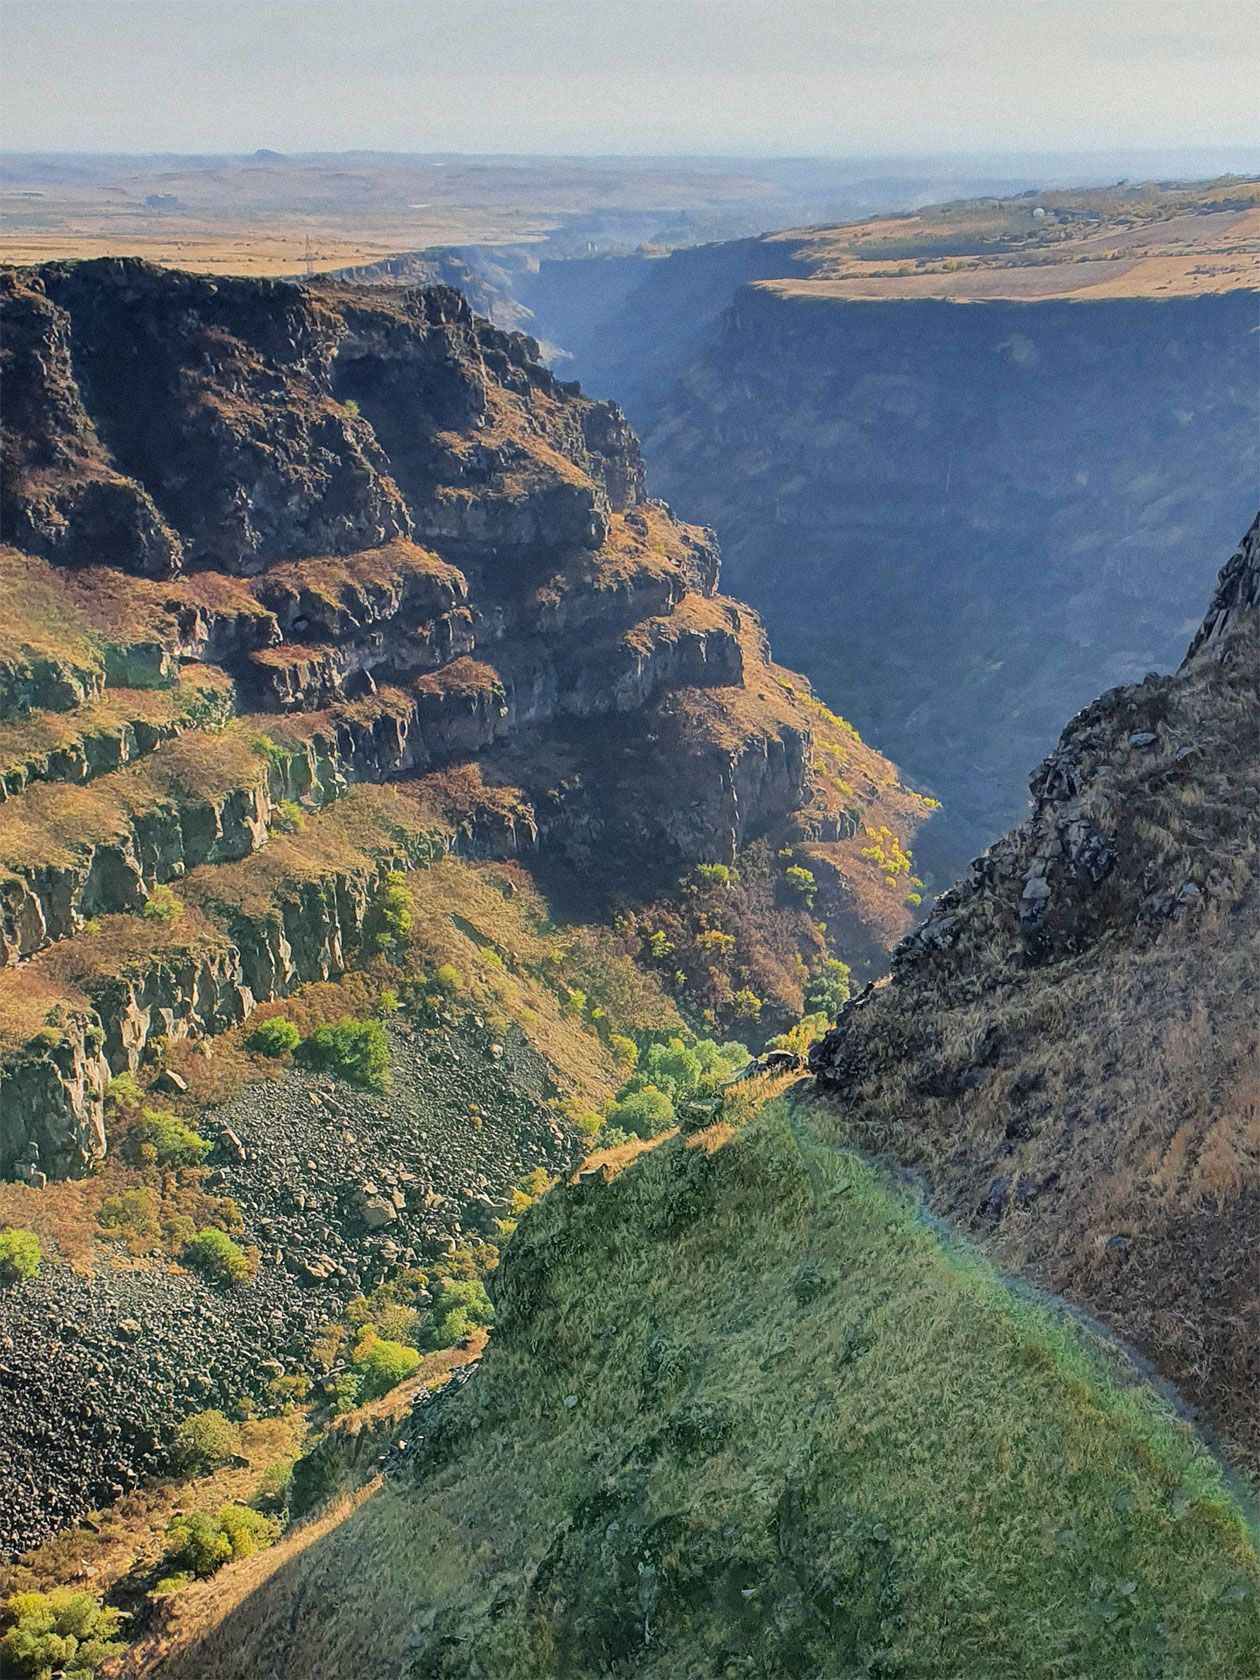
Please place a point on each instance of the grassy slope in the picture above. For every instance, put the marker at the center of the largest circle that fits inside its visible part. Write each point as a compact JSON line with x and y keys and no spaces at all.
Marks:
{"x":743,"y":1414}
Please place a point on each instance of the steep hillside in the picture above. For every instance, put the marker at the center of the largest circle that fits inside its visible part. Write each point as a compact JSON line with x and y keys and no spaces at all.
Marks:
{"x":1069,"y":1048}
{"x":241,"y":477}
{"x":742,"y":1413}
{"x":964,"y":462}
{"x":334,"y":628}
{"x":746,"y":1409}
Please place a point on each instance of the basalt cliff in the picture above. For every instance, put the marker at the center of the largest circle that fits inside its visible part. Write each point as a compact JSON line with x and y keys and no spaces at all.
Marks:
{"x":266,"y":544}
{"x":1068,"y":1050}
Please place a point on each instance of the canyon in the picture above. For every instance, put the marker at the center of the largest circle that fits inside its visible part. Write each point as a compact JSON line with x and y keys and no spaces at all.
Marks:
{"x":967,"y":462}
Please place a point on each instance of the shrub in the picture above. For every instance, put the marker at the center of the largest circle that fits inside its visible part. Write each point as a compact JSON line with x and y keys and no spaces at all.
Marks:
{"x":625,"y":1050}
{"x":266,"y":748}
{"x":163,"y":1138}
{"x":829,"y":990}
{"x":124,"y":1092}
{"x":287,"y":818}
{"x":62,"y":1632}
{"x":272,"y":1493}
{"x":275,"y":1037}
{"x":448,"y":980}
{"x":20,"y":1255}
{"x":357,"y":1051}
{"x":394,"y":911}
{"x":381,"y":1365}
{"x":219,"y":1260}
{"x":460,"y":1305}
{"x":163,"y":906}
{"x":200,"y":1544}
{"x":802,"y":883}
{"x":203,"y":1442}
{"x":746,"y":1005}
{"x":134,"y":1212}
{"x":717,"y":874}
{"x":643,"y":1113}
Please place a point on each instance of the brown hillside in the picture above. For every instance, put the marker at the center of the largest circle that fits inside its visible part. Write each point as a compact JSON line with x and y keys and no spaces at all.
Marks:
{"x":1069,"y":1049}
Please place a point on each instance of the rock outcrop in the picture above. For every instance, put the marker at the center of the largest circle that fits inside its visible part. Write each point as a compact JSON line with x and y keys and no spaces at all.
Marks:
{"x":358,"y":536}
{"x":1067,"y":1048}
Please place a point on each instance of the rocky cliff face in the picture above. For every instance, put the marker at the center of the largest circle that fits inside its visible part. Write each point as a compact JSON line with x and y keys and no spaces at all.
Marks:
{"x":955,"y":517}
{"x":267,"y":541}
{"x":1068,"y":1046}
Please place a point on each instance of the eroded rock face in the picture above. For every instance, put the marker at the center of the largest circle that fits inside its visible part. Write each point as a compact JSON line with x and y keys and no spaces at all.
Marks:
{"x":1067,"y":1047}
{"x":404,"y":550}
{"x":59,"y":494}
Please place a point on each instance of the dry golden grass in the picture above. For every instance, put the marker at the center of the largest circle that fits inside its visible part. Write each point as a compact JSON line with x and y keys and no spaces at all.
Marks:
{"x":202,"y":690}
{"x":1118,"y":1112}
{"x":39,"y":621}
{"x":339,"y":580}
{"x":57,"y":822}
{"x":1133,"y":242}
{"x":130,"y":1534}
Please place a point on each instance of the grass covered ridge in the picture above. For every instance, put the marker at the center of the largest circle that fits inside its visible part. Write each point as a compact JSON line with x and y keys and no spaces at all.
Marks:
{"x":744,"y":1414}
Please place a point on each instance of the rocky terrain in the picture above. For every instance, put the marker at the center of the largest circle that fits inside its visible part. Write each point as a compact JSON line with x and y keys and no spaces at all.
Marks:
{"x":375,"y":538}
{"x":967,"y":463}
{"x":337,"y":1189}
{"x":1068,"y":1046}
{"x":311,"y":592}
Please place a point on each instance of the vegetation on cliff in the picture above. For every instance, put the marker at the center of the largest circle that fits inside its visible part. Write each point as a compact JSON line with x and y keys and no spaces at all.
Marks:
{"x":745,"y":1412}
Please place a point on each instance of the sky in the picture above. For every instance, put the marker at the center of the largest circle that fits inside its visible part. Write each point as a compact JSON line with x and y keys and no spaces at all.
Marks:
{"x":822,"y":78}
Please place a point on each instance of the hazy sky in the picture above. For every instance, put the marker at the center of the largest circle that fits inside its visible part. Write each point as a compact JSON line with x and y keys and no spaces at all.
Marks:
{"x":817,"y":77}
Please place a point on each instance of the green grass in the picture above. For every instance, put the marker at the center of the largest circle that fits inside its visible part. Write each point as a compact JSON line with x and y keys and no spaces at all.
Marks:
{"x":744,"y":1414}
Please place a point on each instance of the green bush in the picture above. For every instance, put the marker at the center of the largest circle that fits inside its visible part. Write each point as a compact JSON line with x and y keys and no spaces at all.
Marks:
{"x":62,"y":1632}
{"x":275,"y":1037}
{"x":199,"y":1544}
{"x":448,"y":980}
{"x":134,"y":1212}
{"x":381,"y":1365}
{"x":460,"y":1305}
{"x":357,"y":1051}
{"x":163,"y":906}
{"x":287,"y":818}
{"x":802,"y":883}
{"x":219,"y":1260}
{"x":203,"y":1442}
{"x":625,"y":1050}
{"x":20,"y":1254}
{"x":829,"y":990}
{"x":163,"y":1138}
{"x":643,"y":1113}
{"x":716,"y":874}
{"x":394,"y":913}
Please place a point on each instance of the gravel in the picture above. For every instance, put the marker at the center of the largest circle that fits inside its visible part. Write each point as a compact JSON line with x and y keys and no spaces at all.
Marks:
{"x":338,"y":1189}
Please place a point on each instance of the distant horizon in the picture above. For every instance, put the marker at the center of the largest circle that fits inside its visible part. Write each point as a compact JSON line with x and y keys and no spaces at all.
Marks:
{"x":816,"y":79}
{"x":1243,"y":153}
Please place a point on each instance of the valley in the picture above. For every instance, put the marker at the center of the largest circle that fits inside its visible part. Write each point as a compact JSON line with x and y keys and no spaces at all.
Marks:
{"x":968,"y":463}
{"x":509,"y":1166}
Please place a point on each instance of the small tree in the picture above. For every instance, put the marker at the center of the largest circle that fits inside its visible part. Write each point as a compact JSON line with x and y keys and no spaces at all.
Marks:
{"x":203,"y":1442}
{"x":200,"y":1544}
{"x":276,"y":1037}
{"x":381,"y":1365}
{"x":357,"y":1050}
{"x":828,"y":991}
{"x":163,"y":906}
{"x":20,"y":1255}
{"x":219,"y":1260}
{"x":165,"y":1140}
{"x":62,"y":1632}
